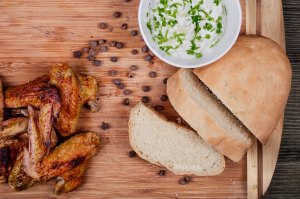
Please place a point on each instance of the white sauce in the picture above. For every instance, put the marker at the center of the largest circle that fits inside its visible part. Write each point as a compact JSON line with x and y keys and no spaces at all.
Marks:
{"x":185,"y":25}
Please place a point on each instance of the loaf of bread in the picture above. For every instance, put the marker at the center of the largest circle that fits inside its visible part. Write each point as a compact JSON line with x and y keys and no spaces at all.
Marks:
{"x":207,"y":115}
{"x":168,"y":144}
{"x":253,"y":80}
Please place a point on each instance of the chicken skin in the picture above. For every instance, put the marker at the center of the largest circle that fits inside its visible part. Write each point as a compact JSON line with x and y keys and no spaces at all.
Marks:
{"x":36,"y":93}
{"x":63,"y":77}
{"x":75,"y":90}
{"x":8,"y":155}
{"x":13,"y":127}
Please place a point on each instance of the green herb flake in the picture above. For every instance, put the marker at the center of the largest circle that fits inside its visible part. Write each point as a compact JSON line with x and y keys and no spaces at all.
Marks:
{"x":217,"y":2}
{"x":149,"y":26}
{"x":207,"y":36}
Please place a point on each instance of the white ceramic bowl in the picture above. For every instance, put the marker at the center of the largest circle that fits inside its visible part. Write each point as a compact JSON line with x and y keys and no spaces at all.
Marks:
{"x":232,"y":30}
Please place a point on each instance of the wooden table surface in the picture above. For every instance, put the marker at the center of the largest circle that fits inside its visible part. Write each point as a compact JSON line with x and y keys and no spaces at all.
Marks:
{"x":286,"y":180}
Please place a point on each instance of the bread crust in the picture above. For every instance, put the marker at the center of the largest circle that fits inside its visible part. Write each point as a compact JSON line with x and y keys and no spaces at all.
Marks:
{"x":253,"y":80}
{"x":204,"y":123}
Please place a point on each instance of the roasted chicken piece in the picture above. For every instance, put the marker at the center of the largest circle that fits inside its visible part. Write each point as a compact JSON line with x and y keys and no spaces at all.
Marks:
{"x":63,"y":77}
{"x":8,"y":155}
{"x":88,"y":91}
{"x":13,"y":127}
{"x":69,"y":155}
{"x":36,"y":93}
{"x":70,"y":179}
{"x":36,"y":149}
{"x":18,"y":179}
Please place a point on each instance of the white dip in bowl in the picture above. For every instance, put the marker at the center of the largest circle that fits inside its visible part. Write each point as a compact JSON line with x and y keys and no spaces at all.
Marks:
{"x":189,"y":33}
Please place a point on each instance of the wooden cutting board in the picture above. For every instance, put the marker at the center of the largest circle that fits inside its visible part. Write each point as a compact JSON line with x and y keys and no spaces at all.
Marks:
{"x":34,"y":35}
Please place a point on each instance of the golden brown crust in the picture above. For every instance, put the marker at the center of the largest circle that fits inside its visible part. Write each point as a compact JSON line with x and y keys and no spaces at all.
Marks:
{"x":204,"y":123}
{"x":63,"y":77}
{"x":253,"y":80}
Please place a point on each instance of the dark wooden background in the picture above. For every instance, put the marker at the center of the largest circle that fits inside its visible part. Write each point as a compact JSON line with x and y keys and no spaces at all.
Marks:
{"x":286,"y":180}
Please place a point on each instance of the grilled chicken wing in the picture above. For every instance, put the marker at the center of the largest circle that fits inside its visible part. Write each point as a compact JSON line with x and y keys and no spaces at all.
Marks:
{"x":36,"y":93}
{"x":70,"y":179}
{"x":13,"y":127}
{"x":63,"y":77}
{"x":36,"y":149}
{"x":18,"y":179}
{"x":68,"y":155}
{"x":8,"y":155}
{"x":88,"y":91}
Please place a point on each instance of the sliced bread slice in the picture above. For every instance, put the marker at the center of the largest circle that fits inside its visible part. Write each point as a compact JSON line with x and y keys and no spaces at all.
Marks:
{"x":207,"y":115}
{"x":168,"y":144}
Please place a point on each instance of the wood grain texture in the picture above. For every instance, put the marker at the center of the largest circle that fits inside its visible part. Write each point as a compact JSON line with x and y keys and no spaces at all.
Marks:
{"x":286,"y":179}
{"x":252,"y":154}
{"x":34,"y":35}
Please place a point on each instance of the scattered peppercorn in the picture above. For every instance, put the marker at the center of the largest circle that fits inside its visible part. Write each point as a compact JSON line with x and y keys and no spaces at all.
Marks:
{"x":126,"y":0}
{"x":91,"y":58}
{"x":77,"y":54}
{"x":97,"y":62}
{"x":117,"y":14}
{"x":152,"y":74}
{"x":127,"y":92}
{"x":165,"y":80}
{"x":103,"y":48}
{"x":101,"y":41}
{"x":119,"y":45}
{"x":146,"y":88}
{"x":105,"y":126}
{"x":92,"y":52}
{"x":164,"y":98}
{"x":131,"y":154}
{"x":121,"y":86}
{"x":162,"y":173}
{"x":149,"y":58}
{"x":145,"y":49}
{"x":114,"y":59}
{"x":133,"y":67}
{"x":134,"y":33}
{"x":158,"y":108}
{"x":102,"y":25}
{"x":134,"y":52}
{"x":126,"y":101}
{"x":93,"y":44}
{"x":185,"y":180}
{"x":124,"y":26}
{"x":145,"y":99}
